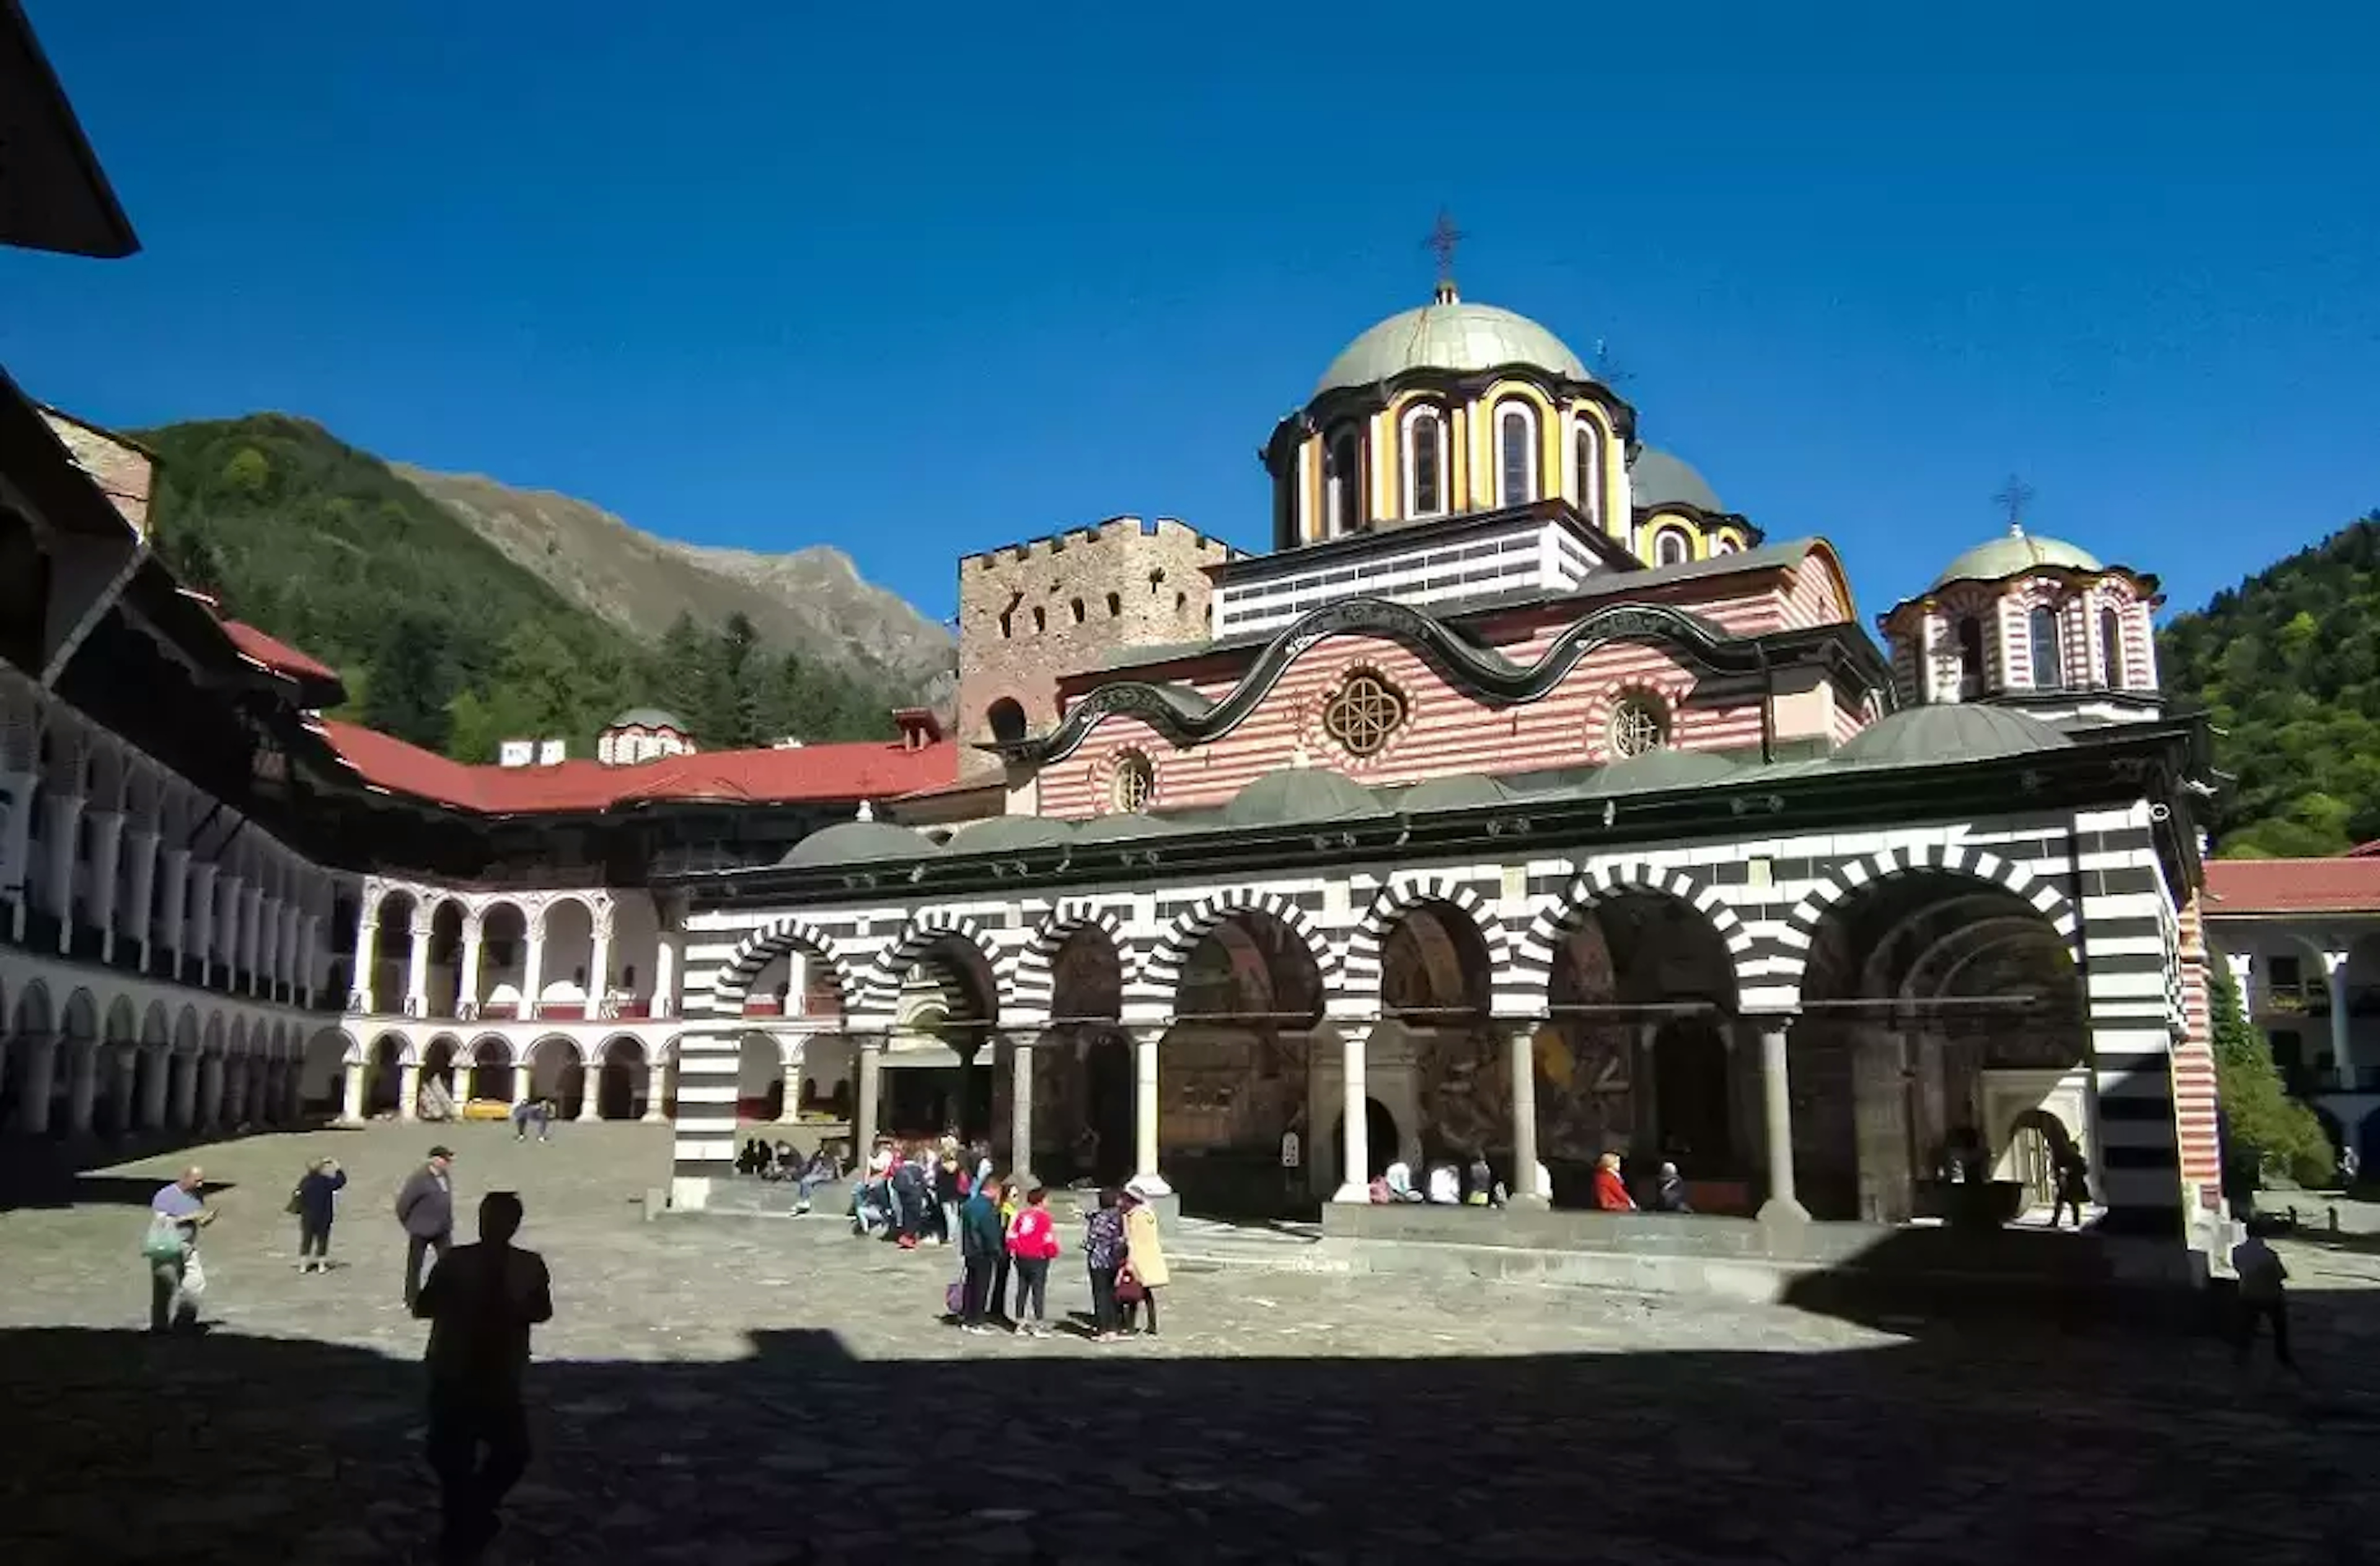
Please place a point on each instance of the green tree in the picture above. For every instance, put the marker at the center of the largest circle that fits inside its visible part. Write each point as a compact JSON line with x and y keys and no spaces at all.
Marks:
{"x":2280,"y":1134}
{"x":413,"y":680}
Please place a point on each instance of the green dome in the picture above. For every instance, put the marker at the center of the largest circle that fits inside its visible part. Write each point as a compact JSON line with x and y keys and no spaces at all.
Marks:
{"x":1123,"y":827}
{"x":1006,"y":835}
{"x":1655,"y":478}
{"x":1449,"y":334}
{"x":1944,"y":734}
{"x":1469,"y":792}
{"x":854,"y":842}
{"x":1298,"y":795}
{"x":2014,"y":553}
{"x":1665,"y":767}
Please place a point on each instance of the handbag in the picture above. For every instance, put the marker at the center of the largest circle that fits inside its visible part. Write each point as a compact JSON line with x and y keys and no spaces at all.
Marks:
{"x":163,"y":1242}
{"x":296,"y":1206}
{"x":955,"y":1298}
{"x":1130,"y":1290}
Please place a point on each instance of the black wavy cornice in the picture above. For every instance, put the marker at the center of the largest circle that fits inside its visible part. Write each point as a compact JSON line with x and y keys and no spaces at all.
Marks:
{"x":1187,"y":719}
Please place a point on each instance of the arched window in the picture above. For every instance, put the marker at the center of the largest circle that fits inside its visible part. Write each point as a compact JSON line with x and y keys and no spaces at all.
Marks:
{"x":2111,"y":646}
{"x":1671,"y":547}
{"x":1006,"y":719}
{"x":1516,"y":454}
{"x":1639,"y":723}
{"x":1970,"y":657}
{"x":1078,"y":611}
{"x":1586,"y":444}
{"x":1342,"y":479}
{"x":1115,"y":605}
{"x":1723,"y":544}
{"x":2048,"y":668}
{"x":1424,"y":463}
{"x":1135,"y":784}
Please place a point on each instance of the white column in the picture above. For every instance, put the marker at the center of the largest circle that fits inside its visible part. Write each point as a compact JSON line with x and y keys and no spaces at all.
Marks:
{"x":869,"y":1053}
{"x":1777,"y":1102}
{"x":120,"y":1065}
{"x":58,"y":829}
{"x":82,"y":1084}
{"x":182,"y":1106}
{"x":408,"y":1092}
{"x":305,"y":964}
{"x":417,"y":971}
{"x":520,"y":1079}
{"x":226,"y":927}
{"x":1520,"y":1044}
{"x":1020,"y":1109}
{"x":351,"y":1091}
{"x":210,"y":1092}
{"x":133,"y":920}
{"x":666,"y":974}
{"x":252,"y":934}
{"x":2342,"y":1059}
{"x":17,"y":836}
{"x":1354,"y":1171}
{"x":1145,"y":1109}
{"x":174,"y":911}
{"x":154,"y":1088}
{"x":466,"y":998}
{"x":598,"y":967}
{"x":359,"y":983}
{"x":107,"y":845}
{"x":591,"y":1081}
{"x":790,"y":1047}
{"x":533,"y":968}
{"x":40,"y":1077}
{"x":656,"y":1094}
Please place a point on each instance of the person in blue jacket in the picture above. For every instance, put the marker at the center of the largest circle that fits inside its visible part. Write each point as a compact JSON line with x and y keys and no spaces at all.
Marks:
{"x":316,"y":1202}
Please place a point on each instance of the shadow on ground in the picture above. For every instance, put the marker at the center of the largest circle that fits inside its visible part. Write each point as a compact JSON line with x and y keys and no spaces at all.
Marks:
{"x":1952,"y":1447}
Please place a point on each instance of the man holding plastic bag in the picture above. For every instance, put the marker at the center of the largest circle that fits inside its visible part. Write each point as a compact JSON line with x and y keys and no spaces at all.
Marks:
{"x":176,"y":1279}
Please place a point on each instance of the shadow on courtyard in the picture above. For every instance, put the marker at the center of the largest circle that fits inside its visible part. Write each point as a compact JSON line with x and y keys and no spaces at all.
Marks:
{"x":59,"y":1172}
{"x":2020,"y":1442}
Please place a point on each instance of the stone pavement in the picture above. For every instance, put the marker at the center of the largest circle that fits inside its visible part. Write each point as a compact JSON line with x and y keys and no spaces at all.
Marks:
{"x":740,"y":1393}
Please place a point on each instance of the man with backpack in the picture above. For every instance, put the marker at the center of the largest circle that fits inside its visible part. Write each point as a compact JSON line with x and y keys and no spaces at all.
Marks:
{"x":176,"y":1213}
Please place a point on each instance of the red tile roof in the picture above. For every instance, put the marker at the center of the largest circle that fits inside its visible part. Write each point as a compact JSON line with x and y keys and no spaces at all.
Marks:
{"x":276,"y":654}
{"x":864,"y":770}
{"x":2292,"y":886}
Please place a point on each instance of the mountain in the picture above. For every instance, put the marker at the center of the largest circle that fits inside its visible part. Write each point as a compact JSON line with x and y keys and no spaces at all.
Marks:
{"x":445,"y":640}
{"x":2287,"y":665}
{"x":811,"y":601}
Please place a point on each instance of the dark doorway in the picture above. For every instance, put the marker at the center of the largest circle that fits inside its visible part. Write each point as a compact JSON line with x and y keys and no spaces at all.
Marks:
{"x":1380,"y":1140}
{"x":1105,"y":1155}
{"x":1691,"y":1098}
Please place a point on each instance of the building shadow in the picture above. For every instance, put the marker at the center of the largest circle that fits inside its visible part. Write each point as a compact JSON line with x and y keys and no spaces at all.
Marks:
{"x":2021,"y":1442}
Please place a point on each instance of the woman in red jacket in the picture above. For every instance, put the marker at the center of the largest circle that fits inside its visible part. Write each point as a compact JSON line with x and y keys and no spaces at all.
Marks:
{"x":1611,"y":1191}
{"x":1032,"y":1244}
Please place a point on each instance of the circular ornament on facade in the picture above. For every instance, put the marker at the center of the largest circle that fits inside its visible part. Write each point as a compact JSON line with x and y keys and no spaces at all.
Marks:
{"x":1364,"y":713}
{"x":1639,"y":723}
{"x":1132,"y":784}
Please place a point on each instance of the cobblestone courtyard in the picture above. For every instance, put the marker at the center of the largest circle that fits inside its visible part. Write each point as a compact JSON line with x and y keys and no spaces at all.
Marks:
{"x":745,"y":1392}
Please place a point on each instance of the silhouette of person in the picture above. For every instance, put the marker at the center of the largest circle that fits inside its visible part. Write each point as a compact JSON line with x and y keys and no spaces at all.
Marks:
{"x":481,"y":1302}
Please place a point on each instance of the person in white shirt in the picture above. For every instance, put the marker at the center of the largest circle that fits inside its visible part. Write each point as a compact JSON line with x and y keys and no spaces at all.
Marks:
{"x":1446,"y":1186}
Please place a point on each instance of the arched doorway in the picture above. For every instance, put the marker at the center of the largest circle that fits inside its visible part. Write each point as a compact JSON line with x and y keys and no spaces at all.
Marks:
{"x":1236,"y":1072}
{"x":623,"y":1080}
{"x":492,"y":1071}
{"x":391,"y":951}
{"x":556,"y":1075}
{"x":504,"y":963}
{"x":1082,"y":1067}
{"x":1435,"y":1057}
{"x":1915,"y":1108}
{"x":937,"y":1066}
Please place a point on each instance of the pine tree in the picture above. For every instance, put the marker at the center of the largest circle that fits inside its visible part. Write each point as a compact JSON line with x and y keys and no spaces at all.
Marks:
{"x":413,"y":679}
{"x":2281,"y":1135}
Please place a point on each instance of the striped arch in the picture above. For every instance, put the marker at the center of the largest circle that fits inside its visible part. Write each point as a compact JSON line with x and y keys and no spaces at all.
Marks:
{"x":1033,"y":987}
{"x":765,"y":945}
{"x":879,"y":987}
{"x":1601,"y":880}
{"x":1800,"y":928}
{"x":1360,"y":970}
{"x":1148,"y":995}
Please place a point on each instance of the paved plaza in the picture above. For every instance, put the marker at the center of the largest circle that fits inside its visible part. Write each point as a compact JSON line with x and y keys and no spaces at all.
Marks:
{"x":741,"y":1392}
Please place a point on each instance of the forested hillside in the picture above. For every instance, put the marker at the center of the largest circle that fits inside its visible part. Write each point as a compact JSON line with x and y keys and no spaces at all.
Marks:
{"x":2288,"y":667}
{"x":440,"y":640}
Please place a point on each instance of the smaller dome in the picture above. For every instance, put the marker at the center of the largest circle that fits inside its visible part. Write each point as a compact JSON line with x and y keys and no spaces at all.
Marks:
{"x":1657,"y":478}
{"x":854,"y":842}
{"x":1472,"y":791}
{"x":1449,"y":334}
{"x":1123,"y":827}
{"x":1667,"y":767}
{"x":1944,"y":734}
{"x":1007,"y":834}
{"x":646,"y":718}
{"x":1294,"y":795}
{"x":2012,"y":554}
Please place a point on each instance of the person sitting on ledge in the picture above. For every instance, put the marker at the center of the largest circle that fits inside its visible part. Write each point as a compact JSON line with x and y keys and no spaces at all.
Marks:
{"x":1669,"y":1195}
{"x":1445,"y":1187}
{"x":1611,"y":1191}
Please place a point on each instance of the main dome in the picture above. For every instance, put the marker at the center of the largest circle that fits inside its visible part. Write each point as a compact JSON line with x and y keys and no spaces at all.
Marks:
{"x":2012,"y":554}
{"x":1449,"y":334}
{"x":1659,"y":477}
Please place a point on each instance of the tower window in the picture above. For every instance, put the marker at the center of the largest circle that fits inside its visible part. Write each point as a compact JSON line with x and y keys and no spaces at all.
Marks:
{"x":1006,"y":719}
{"x":1516,"y":454}
{"x":1639,"y":723}
{"x":1588,"y":456}
{"x":1078,"y":611}
{"x":1670,"y":548}
{"x":1040,"y":618}
{"x":2111,"y":646}
{"x":1424,"y":463}
{"x":1115,"y":605}
{"x":1135,"y":782}
{"x":1343,"y":481}
{"x":1970,"y":657}
{"x":2048,"y":670}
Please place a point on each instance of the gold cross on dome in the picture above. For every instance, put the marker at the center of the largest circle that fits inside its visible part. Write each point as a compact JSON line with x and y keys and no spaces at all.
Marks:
{"x":2012,"y":498}
{"x":1443,"y":238}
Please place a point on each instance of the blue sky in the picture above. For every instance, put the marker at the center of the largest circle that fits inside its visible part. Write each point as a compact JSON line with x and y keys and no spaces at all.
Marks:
{"x":931,"y":279}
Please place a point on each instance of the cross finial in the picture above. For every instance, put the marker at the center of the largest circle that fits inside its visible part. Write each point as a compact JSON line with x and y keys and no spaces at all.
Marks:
{"x":1443,"y":238}
{"x":2012,"y":498}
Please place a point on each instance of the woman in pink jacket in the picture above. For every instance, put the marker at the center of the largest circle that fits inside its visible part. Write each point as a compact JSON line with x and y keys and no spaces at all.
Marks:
{"x":1032,"y":1244}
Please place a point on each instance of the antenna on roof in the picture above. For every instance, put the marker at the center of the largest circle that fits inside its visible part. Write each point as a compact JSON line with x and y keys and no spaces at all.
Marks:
{"x":2012,"y":498}
{"x":1443,"y":238}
